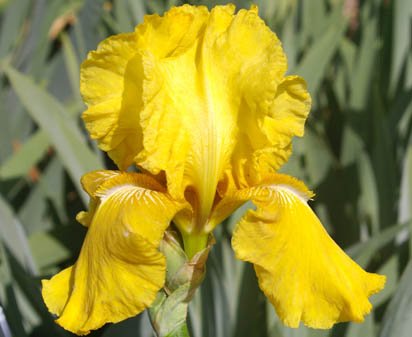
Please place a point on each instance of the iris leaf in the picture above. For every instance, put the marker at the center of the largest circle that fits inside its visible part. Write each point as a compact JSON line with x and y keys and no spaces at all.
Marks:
{"x":53,"y":119}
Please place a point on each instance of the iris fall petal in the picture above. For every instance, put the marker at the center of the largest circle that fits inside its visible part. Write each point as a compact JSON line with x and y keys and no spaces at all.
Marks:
{"x":120,"y":269}
{"x":302,"y":271}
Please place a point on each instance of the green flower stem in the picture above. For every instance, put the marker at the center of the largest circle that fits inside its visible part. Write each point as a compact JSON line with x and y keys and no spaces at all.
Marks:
{"x":194,"y":243}
{"x":185,"y":272}
{"x":169,"y":312}
{"x":181,"y":331}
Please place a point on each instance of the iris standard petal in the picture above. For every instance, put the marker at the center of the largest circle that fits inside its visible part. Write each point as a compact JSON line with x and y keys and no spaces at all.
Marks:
{"x":302,"y":271}
{"x":197,"y":95}
{"x":120,"y":269}
{"x":112,"y":116}
{"x":219,"y":89}
{"x":266,"y":130}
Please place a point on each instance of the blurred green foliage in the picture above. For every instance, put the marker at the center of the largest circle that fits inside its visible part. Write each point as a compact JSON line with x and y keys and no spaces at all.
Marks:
{"x":356,"y":154}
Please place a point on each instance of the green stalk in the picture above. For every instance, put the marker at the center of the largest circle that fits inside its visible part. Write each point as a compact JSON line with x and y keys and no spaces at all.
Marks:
{"x":194,"y":243}
{"x":180,"y":331}
{"x":185,"y":272}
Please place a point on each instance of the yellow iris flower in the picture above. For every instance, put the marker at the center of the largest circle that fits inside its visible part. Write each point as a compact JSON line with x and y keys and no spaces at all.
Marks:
{"x":200,"y":103}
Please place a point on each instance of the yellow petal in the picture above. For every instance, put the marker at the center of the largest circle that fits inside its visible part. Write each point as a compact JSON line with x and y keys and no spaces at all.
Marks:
{"x":228,"y":67}
{"x":112,"y":116}
{"x":189,"y":122}
{"x":174,"y":33}
{"x":120,"y":269}
{"x":265,"y":142}
{"x":56,"y":291}
{"x":91,"y":182}
{"x":197,"y":95}
{"x":302,"y":271}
